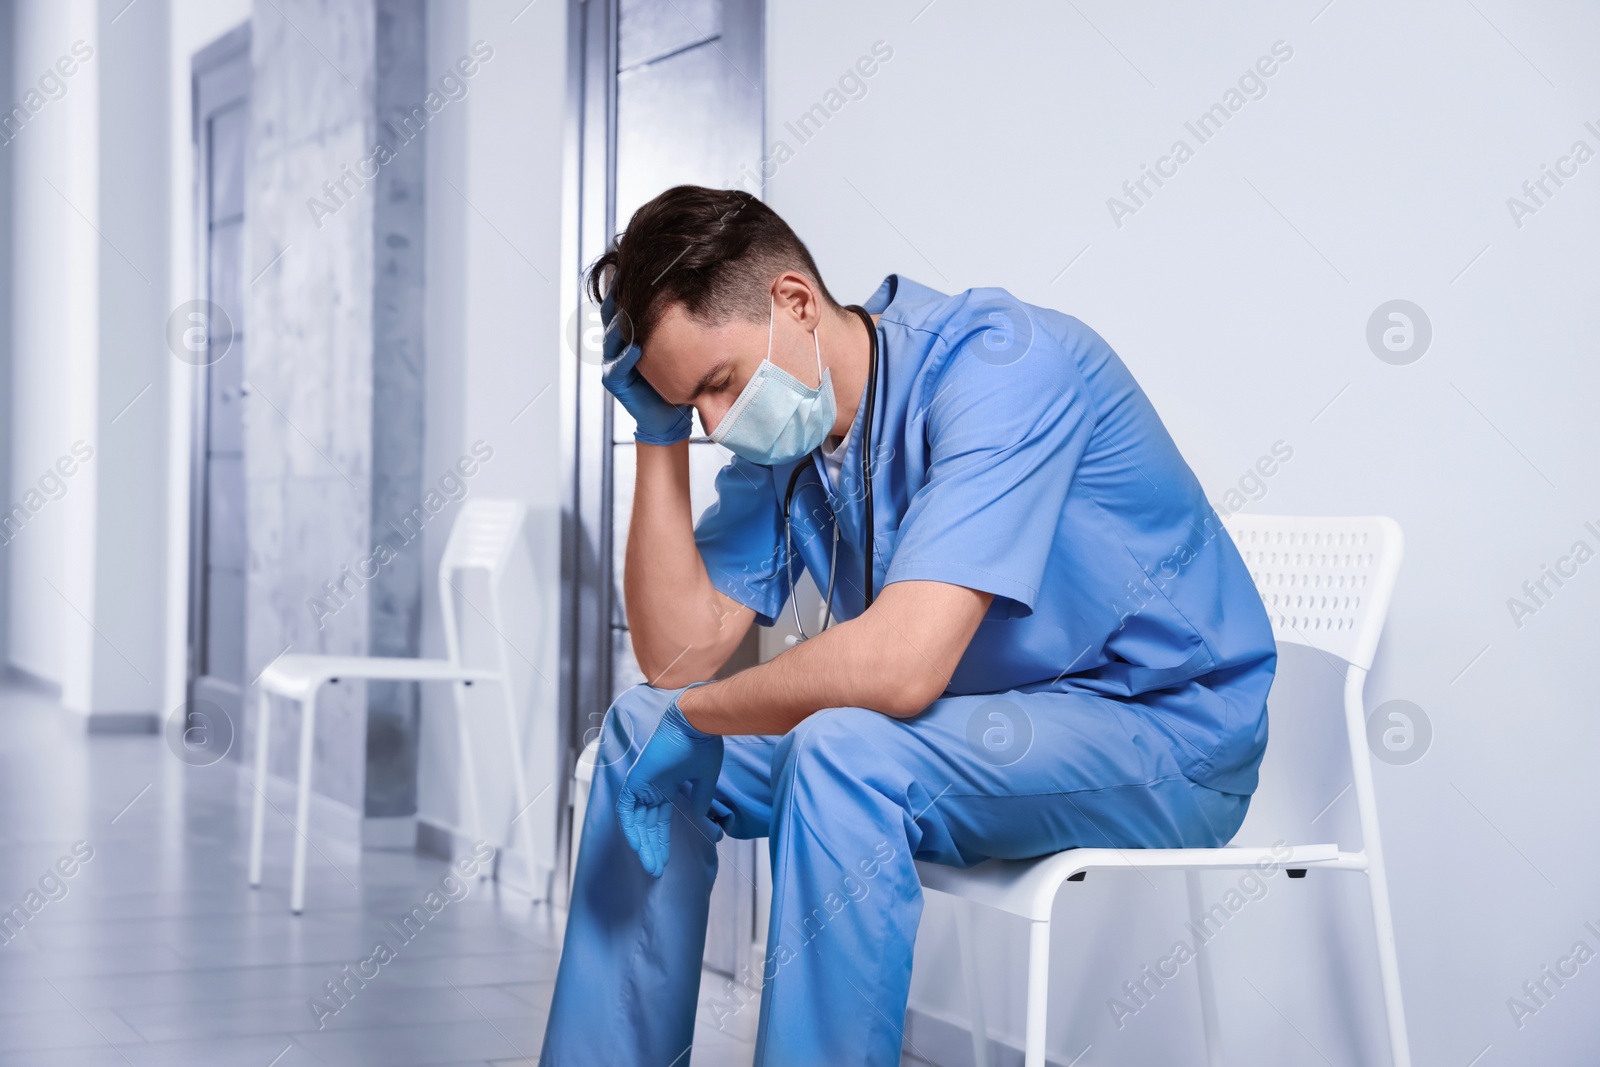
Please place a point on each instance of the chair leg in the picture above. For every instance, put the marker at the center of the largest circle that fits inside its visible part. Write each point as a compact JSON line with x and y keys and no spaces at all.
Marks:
{"x":1038,"y":993}
{"x":1389,"y":965}
{"x":469,"y":767}
{"x":1202,"y":965}
{"x":302,"y":807}
{"x":258,"y":814}
{"x":968,"y":946}
{"x":580,"y":810}
{"x":519,"y":779}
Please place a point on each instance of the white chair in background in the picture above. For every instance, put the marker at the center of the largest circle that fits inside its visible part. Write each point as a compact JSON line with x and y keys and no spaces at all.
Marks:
{"x":582,"y":782}
{"x":483,"y":538}
{"x":1326,"y":584}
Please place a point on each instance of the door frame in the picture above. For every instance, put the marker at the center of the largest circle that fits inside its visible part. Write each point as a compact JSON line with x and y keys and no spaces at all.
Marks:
{"x":584,"y":661}
{"x":203,"y":83}
{"x":589,"y":484}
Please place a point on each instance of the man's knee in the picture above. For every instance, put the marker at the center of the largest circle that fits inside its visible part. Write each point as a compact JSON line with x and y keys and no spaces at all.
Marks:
{"x":845,"y":771}
{"x":837,"y":741}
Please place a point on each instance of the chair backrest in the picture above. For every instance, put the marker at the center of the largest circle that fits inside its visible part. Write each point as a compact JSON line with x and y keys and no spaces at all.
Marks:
{"x":483,"y":537}
{"x":1325,"y":581}
{"x":484,"y":534}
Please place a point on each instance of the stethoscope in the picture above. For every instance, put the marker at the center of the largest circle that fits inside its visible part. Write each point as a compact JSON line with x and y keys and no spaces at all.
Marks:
{"x":866,"y":482}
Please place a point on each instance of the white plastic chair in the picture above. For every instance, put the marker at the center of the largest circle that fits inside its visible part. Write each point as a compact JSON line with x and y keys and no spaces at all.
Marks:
{"x":483,"y":538}
{"x":1326,"y":584}
{"x":582,"y":781}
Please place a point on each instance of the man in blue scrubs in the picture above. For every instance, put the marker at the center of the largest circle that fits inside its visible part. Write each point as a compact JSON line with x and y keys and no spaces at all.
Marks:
{"x":1056,"y":644}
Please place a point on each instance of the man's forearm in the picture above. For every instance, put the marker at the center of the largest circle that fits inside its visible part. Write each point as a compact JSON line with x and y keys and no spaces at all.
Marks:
{"x":771,"y":698}
{"x":896,"y":658}
{"x":676,"y":618}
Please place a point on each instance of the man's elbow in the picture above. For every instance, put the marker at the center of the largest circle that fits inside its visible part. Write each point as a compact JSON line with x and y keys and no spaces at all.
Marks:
{"x":682,"y":667}
{"x":679,"y":676}
{"x":911,"y":689}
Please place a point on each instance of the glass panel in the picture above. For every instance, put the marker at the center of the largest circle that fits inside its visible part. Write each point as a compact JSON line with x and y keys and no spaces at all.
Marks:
{"x":775,"y":639}
{"x":228,"y":130}
{"x":225,"y":530}
{"x":625,"y":673}
{"x":227,"y":260}
{"x":225,"y":416}
{"x":224,"y":651}
{"x":648,"y":29}
{"x":622,"y":424}
{"x":623,"y":472}
{"x":684,"y":120}
{"x":705,"y":460}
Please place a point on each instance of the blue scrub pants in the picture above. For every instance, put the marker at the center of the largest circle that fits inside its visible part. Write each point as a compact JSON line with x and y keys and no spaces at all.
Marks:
{"x":847,"y":799}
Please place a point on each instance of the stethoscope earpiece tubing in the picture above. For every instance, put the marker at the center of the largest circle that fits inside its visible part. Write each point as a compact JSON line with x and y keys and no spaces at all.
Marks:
{"x":866,"y":482}
{"x":866,"y":444}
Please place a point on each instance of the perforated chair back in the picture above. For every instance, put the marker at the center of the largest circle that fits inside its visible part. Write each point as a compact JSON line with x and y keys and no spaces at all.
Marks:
{"x":1325,"y":581}
{"x":483,"y":537}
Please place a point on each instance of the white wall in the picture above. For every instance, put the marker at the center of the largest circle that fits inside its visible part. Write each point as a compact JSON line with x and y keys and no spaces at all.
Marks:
{"x":55,"y":262}
{"x":57,"y":330}
{"x":494,"y":202}
{"x":1377,"y":166}
{"x":132,"y":361}
{"x":88,"y":257}
{"x":7,"y":17}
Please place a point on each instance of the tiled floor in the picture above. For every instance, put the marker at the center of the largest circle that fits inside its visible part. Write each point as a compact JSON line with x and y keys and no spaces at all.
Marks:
{"x":156,"y":952}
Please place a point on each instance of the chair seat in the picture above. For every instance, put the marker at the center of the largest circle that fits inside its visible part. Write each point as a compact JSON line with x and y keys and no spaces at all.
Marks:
{"x":1028,"y":887}
{"x":299,"y":675}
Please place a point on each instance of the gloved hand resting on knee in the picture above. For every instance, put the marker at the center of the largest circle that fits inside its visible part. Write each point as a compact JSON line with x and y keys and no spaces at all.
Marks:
{"x":676,"y":753}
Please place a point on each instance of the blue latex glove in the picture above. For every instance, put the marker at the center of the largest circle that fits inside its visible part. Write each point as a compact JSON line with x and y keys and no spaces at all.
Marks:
{"x":658,"y":422}
{"x":676,"y":753}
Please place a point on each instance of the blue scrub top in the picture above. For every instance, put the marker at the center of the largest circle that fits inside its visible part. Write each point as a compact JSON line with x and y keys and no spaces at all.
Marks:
{"x":1012,"y":452}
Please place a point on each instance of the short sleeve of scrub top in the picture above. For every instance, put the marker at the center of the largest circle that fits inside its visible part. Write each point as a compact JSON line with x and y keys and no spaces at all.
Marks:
{"x":740,"y":538}
{"x":1004,"y":441}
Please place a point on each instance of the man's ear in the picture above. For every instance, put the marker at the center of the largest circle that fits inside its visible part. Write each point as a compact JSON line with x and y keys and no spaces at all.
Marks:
{"x":795,"y":293}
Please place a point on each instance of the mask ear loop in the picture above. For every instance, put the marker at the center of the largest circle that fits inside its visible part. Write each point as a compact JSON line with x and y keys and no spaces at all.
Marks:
{"x":772,"y":317}
{"x":817,"y":341}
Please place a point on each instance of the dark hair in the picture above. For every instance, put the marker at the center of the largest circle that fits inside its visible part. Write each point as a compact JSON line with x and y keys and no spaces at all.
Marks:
{"x":714,"y":251}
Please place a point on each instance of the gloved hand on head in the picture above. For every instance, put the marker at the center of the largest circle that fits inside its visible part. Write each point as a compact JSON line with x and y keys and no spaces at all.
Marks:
{"x":656,"y":421}
{"x":676,"y":753}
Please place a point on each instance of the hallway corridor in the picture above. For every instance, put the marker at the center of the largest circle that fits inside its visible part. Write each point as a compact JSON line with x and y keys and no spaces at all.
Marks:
{"x":154,"y":952}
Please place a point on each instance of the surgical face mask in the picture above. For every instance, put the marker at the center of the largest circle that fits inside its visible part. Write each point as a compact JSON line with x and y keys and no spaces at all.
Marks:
{"x":777,"y":418}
